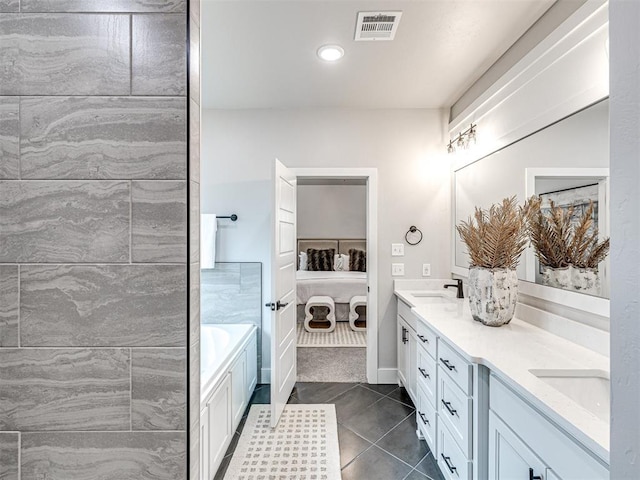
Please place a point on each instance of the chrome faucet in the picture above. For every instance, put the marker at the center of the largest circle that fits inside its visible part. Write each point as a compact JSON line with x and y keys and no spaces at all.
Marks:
{"x":457,"y":285}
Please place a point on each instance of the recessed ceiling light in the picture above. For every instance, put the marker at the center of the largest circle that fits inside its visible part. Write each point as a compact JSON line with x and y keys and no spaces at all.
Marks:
{"x":330,"y":53}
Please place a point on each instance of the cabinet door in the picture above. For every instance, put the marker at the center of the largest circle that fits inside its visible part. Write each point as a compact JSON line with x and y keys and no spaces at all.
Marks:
{"x":252,"y":365}
{"x":509,"y":457}
{"x":412,"y":367}
{"x":238,"y":388}
{"x":220,"y":430}
{"x":204,"y":445}
{"x":402,"y":353}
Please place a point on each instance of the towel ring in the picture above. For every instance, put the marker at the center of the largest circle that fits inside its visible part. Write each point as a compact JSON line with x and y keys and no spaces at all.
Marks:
{"x":413,"y":235}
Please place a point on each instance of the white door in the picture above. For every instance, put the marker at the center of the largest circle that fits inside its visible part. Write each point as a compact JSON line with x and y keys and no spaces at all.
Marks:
{"x":283,"y":294}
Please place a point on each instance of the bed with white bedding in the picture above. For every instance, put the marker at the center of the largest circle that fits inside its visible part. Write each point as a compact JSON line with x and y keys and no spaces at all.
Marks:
{"x":341,"y":286}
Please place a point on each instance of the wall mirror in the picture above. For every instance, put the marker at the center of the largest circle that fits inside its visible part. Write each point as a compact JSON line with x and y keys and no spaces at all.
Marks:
{"x":567,"y":161}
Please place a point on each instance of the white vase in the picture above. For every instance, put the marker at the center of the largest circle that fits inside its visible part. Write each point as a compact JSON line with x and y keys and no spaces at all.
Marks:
{"x":493,"y":295}
{"x":585,"y":280}
{"x":556,"y":277}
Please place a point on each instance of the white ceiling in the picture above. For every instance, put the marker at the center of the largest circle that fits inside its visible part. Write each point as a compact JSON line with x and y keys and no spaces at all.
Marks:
{"x":262,"y":54}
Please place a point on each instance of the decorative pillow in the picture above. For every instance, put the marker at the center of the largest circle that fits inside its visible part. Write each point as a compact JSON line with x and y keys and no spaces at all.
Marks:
{"x":357,"y":260}
{"x":303,"y":261}
{"x":341,"y":262}
{"x":320,"y":260}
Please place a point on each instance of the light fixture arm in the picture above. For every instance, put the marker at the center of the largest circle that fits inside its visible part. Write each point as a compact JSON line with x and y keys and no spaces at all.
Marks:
{"x":463,"y":138}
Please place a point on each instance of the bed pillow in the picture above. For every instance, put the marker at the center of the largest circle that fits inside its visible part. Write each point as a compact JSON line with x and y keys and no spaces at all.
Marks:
{"x":302,"y":265}
{"x":341,"y":262}
{"x":320,"y":260}
{"x":357,"y":260}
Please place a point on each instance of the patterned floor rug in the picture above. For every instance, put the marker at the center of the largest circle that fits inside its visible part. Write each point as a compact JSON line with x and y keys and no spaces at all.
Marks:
{"x":342,"y":336}
{"x":303,"y":446}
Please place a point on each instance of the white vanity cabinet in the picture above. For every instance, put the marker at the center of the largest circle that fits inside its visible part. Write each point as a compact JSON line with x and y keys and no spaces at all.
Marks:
{"x":407,"y":353}
{"x":523,"y":443}
{"x":224,"y":404}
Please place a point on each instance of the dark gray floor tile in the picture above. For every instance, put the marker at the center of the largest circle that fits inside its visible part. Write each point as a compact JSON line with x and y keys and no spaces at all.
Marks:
{"x":415,"y":475}
{"x":376,"y":420}
{"x":320,"y":392}
{"x":375,"y":464}
{"x":351,"y":445}
{"x":233,"y":444}
{"x":261,"y":395}
{"x":156,"y":6}
{"x":403,"y":442}
{"x":9,"y":456}
{"x":354,"y":401}
{"x":429,"y":467}
{"x":384,"y":389}
{"x":222,"y":469}
{"x":400,"y":394}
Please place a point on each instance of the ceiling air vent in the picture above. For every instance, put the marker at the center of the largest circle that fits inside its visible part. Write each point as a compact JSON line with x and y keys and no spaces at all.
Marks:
{"x":377,"y":25}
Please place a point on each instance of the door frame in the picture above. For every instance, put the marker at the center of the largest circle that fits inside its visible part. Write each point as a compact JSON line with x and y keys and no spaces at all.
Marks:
{"x":371,"y":177}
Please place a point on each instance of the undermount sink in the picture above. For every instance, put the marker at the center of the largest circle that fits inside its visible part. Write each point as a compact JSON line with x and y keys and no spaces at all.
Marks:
{"x":431,"y":297}
{"x":588,"y":388}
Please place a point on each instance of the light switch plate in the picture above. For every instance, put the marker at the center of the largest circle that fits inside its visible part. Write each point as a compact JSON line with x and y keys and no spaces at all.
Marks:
{"x":397,"y":249}
{"x":426,"y":269}
{"x":397,"y":269}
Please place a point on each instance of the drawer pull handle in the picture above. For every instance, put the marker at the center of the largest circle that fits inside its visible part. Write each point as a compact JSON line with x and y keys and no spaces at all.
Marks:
{"x":531,"y":477}
{"x":423,"y":338}
{"x":447,"y":364}
{"x":424,"y":418}
{"x":447,"y":405}
{"x":450,"y":466}
{"x":424,"y":373}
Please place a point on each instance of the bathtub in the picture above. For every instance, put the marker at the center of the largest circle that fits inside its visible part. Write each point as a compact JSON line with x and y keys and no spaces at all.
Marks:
{"x":220,"y":345}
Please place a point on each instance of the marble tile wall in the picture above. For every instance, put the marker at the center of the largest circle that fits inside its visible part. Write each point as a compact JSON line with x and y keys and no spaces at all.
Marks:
{"x":232,"y":293}
{"x":98,"y":182}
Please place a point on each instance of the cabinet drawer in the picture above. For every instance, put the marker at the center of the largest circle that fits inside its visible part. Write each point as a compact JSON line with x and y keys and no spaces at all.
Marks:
{"x":454,"y":409}
{"x":427,"y":338}
{"x":455,"y":366}
{"x":452,"y":462}
{"x":427,"y":375}
{"x":426,"y":419}
{"x":404,"y":311}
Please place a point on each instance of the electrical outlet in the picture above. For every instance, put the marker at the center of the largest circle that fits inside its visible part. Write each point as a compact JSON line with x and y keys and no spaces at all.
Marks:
{"x":397,"y":249}
{"x":426,"y":269}
{"x":397,"y":269}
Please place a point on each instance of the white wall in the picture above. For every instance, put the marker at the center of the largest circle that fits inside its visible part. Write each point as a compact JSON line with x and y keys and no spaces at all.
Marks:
{"x":332,"y":211}
{"x":406,"y":146}
{"x":625,"y":239}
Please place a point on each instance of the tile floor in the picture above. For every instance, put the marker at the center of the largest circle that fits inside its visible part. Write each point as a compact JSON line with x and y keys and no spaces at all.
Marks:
{"x":376,"y":430}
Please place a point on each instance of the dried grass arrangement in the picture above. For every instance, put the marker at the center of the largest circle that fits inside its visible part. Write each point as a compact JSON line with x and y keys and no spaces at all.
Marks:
{"x":559,"y":243}
{"x":496,"y":238}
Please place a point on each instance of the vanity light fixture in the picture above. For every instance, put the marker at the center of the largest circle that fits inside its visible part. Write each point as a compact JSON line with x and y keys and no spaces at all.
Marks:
{"x":330,"y":53}
{"x":464,"y":139}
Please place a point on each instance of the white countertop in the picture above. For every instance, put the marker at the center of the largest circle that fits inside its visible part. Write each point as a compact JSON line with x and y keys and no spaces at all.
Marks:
{"x":511,"y":351}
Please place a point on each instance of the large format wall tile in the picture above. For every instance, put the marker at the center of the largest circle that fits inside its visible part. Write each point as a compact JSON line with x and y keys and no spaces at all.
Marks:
{"x":8,"y":307}
{"x":104,"y":456}
{"x":112,"y":305}
{"x":159,"y":60}
{"x":8,"y":6}
{"x":9,"y":456}
{"x":158,"y":389}
{"x":151,"y":6}
{"x":70,"y":221}
{"x":102,"y":137}
{"x":9,"y":139}
{"x":78,"y":389}
{"x":159,"y":221}
{"x":48,"y":54}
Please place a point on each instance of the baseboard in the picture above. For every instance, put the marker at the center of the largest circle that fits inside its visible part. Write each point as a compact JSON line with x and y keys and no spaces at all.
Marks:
{"x":265,"y":375}
{"x":388,"y":375}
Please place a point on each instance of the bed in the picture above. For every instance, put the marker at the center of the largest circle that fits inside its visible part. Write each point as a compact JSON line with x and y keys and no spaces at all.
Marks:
{"x":339,"y":285}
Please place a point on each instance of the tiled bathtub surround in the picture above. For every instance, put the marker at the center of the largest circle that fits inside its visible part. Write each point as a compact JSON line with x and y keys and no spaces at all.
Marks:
{"x":94,"y":247}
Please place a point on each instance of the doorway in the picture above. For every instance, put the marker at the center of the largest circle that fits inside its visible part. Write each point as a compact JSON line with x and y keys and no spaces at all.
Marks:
{"x":353,"y":319}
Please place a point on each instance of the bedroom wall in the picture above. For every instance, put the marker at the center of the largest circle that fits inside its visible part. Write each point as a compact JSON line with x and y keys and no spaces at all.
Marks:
{"x":406,"y":146}
{"x":332,"y":211}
